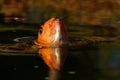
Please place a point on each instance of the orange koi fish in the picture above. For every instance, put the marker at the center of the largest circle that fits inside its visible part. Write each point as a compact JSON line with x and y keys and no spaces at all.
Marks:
{"x":53,"y":34}
{"x":52,"y":38}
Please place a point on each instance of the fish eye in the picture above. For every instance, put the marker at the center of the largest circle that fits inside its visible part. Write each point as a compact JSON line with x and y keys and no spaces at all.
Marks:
{"x":40,"y":31}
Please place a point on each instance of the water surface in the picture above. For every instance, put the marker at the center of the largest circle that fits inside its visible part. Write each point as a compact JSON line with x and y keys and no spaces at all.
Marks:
{"x":97,"y":61}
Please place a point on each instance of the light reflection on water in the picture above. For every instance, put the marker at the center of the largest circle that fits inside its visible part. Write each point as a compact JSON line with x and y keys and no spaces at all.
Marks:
{"x":101,"y":62}
{"x":94,"y":62}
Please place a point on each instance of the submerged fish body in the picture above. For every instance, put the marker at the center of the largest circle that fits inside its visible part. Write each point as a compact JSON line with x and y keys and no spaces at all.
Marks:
{"x":53,"y":34}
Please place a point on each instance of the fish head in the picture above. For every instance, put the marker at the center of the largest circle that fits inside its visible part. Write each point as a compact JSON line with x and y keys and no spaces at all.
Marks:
{"x":53,"y":33}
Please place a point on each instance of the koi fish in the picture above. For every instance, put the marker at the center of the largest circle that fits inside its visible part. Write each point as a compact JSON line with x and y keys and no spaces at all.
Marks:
{"x":53,"y":34}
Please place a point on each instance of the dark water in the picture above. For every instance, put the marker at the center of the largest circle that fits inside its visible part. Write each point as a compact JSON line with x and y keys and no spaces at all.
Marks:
{"x":94,"y":62}
{"x":8,"y":36}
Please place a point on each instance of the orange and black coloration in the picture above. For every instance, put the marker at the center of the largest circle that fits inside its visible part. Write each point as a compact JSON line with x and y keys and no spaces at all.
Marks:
{"x":52,"y":39}
{"x":53,"y":34}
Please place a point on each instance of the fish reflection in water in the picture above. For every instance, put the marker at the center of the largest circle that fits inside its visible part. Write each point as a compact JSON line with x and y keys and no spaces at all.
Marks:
{"x":53,"y":57}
